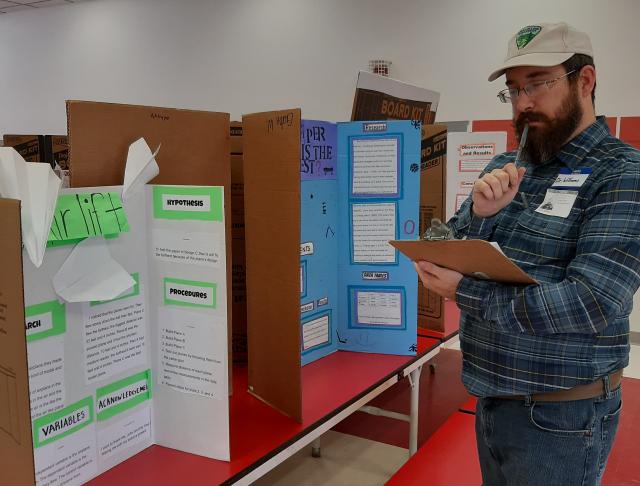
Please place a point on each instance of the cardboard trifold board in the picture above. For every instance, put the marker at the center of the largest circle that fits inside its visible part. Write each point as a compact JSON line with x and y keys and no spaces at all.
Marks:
{"x":321,"y":202}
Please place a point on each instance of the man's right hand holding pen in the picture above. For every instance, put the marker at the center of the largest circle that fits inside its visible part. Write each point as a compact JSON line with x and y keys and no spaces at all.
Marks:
{"x":496,"y":190}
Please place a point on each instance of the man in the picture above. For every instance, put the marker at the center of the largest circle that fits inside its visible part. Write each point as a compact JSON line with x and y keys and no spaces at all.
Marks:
{"x":546,"y":360}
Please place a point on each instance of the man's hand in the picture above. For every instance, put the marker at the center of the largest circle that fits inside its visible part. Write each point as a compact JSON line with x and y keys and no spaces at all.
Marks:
{"x":496,"y":190}
{"x":442,"y":281}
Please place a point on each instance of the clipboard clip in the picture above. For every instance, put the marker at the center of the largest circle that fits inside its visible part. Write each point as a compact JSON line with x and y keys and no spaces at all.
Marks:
{"x":438,"y":230}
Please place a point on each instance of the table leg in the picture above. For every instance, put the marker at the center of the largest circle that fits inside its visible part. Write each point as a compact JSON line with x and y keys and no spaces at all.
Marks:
{"x":315,"y":448}
{"x":414,"y":381}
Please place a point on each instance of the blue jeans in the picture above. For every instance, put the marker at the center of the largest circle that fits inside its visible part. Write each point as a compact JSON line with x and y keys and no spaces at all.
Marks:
{"x":522,"y":442}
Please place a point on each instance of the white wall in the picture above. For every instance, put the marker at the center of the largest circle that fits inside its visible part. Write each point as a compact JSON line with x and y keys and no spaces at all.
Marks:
{"x":248,"y":55}
{"x":242,"y":56}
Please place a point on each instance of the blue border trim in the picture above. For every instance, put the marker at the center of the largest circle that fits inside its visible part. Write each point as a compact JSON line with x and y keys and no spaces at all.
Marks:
{"x":399,"y":161}
{"x":395,"y":261}
{"x":313,"y":317}
{"x":303,"y":266}
{"x":353,"y":295}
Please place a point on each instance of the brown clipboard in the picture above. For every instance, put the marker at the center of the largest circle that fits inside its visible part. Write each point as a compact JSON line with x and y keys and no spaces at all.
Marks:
{"x":474,"y":258}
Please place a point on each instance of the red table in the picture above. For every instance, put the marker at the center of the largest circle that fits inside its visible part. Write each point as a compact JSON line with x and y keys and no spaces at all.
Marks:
{"x":451,"y":324}
{"x":261,"y":438}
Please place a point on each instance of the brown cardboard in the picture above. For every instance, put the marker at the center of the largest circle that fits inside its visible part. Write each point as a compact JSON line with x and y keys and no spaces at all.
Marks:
{"x":235,"y":132}
{"x":16,"y":446}
{"x":51,"y":149}
{"x":382,"y":98}
{"x":474,"y":258}
{"x":195,"y":144}
{"x":59,"y":150}
{"x":238,"y":277}
{"x":31,"y":147}
{"x":433,"y":183}
{"x":195,"y":150}
{"x":372,"y":100}
{"x":271,"y":144}
{"x":239,"y":324}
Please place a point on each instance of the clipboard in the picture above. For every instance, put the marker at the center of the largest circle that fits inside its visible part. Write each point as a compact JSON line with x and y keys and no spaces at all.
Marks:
{"x":473,"y":258}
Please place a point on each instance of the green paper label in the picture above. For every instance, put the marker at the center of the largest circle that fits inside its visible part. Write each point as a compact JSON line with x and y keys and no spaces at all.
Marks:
{"x":62,"y":423}
{"x":526,"y":34}
{"x":123,"y":395}
{"x":188,"y":203}
{"x":45,"y":320}
{"x":79,"y":216}
{"x":189,"y":293}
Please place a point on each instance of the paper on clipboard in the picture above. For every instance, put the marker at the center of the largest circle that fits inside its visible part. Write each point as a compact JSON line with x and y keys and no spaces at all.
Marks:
{"x":474,"y":258}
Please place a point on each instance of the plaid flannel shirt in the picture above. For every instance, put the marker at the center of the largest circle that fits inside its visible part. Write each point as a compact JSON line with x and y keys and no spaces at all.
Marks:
{"x":574,"y":326}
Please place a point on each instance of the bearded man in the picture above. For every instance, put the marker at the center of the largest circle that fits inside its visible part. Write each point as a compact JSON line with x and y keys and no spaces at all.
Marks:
{"x":546,"y":360}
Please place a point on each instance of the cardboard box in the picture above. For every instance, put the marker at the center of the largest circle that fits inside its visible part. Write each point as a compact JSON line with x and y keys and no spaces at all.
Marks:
{"x":52,"y":149}
{"x":238,"y":277}
{"x":235,"y":132}
{"x":382,"y":98}
{"x":59,"y":151}
{"x":31,"y":147}
{"x":433,"y":183}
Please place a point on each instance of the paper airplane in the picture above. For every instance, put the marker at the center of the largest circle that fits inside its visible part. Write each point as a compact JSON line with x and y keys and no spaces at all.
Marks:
{"x":37,"y":187}
{"x":91,"y":274}
{"x":140,"y":168}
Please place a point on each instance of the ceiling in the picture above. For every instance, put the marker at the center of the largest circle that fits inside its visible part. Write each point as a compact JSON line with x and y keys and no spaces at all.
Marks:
{"x":10,"y":6}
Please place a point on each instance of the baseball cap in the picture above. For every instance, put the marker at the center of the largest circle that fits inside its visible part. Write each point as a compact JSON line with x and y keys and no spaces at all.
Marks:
{"x":544,"y":45}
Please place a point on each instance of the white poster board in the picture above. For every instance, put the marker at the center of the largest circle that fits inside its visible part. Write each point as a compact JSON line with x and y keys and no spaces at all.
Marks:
{"x":110,"y":378}
{"x":467,"y":156}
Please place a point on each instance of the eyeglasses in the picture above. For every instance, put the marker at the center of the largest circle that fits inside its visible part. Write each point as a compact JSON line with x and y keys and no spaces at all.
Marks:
{"x":531,"y":89}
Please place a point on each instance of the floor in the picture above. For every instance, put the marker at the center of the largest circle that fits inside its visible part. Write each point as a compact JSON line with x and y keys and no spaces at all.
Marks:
{"x":350,"y":460}
{"x":346,"y":460}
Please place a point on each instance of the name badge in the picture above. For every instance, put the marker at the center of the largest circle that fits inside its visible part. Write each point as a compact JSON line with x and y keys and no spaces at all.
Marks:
{"x":557,"y":203}
{"x":570,"y":179}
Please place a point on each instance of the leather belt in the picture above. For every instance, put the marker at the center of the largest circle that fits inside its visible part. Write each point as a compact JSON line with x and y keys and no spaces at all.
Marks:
{"x":579,"y":392}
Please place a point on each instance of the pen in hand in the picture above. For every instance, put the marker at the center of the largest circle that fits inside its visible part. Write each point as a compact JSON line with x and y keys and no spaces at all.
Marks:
{"x":523,"y":141}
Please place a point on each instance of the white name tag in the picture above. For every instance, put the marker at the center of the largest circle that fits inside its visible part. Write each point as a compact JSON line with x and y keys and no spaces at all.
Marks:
{"x":568,"y":178}
{"x":557,"y":203}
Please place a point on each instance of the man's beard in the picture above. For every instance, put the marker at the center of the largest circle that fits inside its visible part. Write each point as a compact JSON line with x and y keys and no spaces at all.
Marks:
{"x":544,"y":141}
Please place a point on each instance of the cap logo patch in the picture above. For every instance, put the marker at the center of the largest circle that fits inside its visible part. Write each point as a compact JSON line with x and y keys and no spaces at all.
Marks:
{"x":526,"y":34}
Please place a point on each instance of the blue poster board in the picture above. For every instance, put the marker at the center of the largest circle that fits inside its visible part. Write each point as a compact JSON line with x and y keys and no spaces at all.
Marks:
{"x":318,"y":239}
{"x":379,"y":193}
{"x":360,"y":188}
